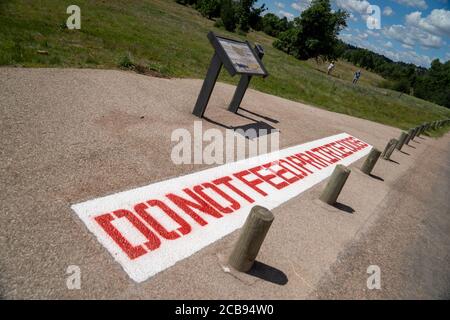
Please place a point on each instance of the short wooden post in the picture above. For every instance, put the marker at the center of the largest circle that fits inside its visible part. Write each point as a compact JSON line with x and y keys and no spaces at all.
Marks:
{"x":410,"y":133}
{"x":335,"y":184}
{"x":421,"y":130}
{"x":371,"y":160}
{"x":390,"y":149}
{"x":251,"y":238}
{"x":415,"y":132}
{"x":401,"y":140}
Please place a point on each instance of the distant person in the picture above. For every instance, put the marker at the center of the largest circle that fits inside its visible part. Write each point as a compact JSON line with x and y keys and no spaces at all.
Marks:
{"x":356,"y":76}
{"x":330,"y":67}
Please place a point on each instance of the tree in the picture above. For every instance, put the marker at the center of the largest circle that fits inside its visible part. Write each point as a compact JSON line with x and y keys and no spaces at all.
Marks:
{"x":228,"y":15}
{"x":273,"y":26}
{"x":255,"y":18}
{"x":314,"y":33}
{"x":434,"y":84}
{"x":247,"y":14}
{"x":209,"y":8}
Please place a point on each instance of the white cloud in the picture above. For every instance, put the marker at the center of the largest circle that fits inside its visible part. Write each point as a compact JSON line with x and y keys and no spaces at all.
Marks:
{"x":407,"y":46}
{"x":286,"y":14}
{"x":437,"y":22}
{"x":399,"y":33}
{"x":279,"y":5}
{"x":412,"y":36}
{"x":388,"y":44}
{"x":430,"y":41}
{"x":346,"y":37}
{"x":363,"y":36}
{"x":358,"y":39}
{"x":414,"y":57}
{"x":301,"y":5}
{"x":447,"y":56}
{"x":421,"y":4}
{"x":352,"y":17}
{"x":359,"y":6}
{"x":387,"y":11}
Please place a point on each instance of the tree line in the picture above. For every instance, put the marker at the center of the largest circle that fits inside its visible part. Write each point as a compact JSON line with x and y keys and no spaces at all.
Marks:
{"x":314,"y":34}
{"x":432,"y":84}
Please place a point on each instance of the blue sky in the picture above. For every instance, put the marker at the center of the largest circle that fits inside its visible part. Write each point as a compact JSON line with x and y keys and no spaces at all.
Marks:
{"x":415,"y":31}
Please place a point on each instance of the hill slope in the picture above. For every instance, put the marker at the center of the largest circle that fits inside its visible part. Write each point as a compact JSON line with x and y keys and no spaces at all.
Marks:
{"x":170,"y":39}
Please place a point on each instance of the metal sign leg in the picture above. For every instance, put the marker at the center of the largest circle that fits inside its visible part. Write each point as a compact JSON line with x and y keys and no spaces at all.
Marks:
{"x":239,"y":93}
{"x":208,"y":86}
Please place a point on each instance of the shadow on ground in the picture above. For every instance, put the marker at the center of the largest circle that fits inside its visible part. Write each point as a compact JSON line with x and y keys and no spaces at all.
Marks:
{"x":268,"y":273}
{"x":376,"y":177}
{"x":255,"y":130}
{"x":343,"y":207}
{"x":261,"y":116}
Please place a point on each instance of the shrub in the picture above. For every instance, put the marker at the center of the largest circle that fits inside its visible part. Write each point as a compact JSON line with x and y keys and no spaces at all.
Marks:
{"x":126,"y":61}
{"x":219,"y":23}
{"x":228,"y":15}
{"x":209,"y":8}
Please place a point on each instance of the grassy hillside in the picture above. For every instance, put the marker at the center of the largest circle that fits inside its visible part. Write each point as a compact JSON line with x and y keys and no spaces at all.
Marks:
{"x":170,"y":39}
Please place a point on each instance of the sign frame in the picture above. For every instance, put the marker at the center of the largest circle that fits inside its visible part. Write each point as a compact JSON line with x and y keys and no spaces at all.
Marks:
{"x":220,"y":58}
{"x":226,"y":60}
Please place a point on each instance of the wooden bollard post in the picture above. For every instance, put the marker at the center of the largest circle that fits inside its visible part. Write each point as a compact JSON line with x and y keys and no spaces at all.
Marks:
{"x":401,"y":140}
{"x":415,"y":131}
{"x":410,"y":132}
{"x":335,"y":184}
{"x":392,"y":144}
{"x":371,"y":160}
{"x":388,"y":146}
{"x":422,"y":129}
{"x":251,"y":238}
{"x":419,"y":129}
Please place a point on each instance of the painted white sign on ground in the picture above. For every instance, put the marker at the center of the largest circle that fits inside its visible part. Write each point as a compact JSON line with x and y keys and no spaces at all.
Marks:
{"x":150,"y":228}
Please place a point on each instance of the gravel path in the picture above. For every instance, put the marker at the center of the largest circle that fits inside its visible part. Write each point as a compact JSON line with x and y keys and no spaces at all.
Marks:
{"x":70,"y":135}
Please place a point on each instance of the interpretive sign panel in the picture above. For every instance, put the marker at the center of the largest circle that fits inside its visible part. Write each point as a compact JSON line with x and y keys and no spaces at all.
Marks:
{"x":242,"y":57}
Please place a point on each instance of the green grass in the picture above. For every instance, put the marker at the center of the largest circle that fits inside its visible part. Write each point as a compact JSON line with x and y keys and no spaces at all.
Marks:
{"x":170,"y":39}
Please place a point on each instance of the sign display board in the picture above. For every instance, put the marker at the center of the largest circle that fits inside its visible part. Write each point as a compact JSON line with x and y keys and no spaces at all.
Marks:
{"x":242,"y":57}
{"x":150,"y":228}
{"x":237,"y":57}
